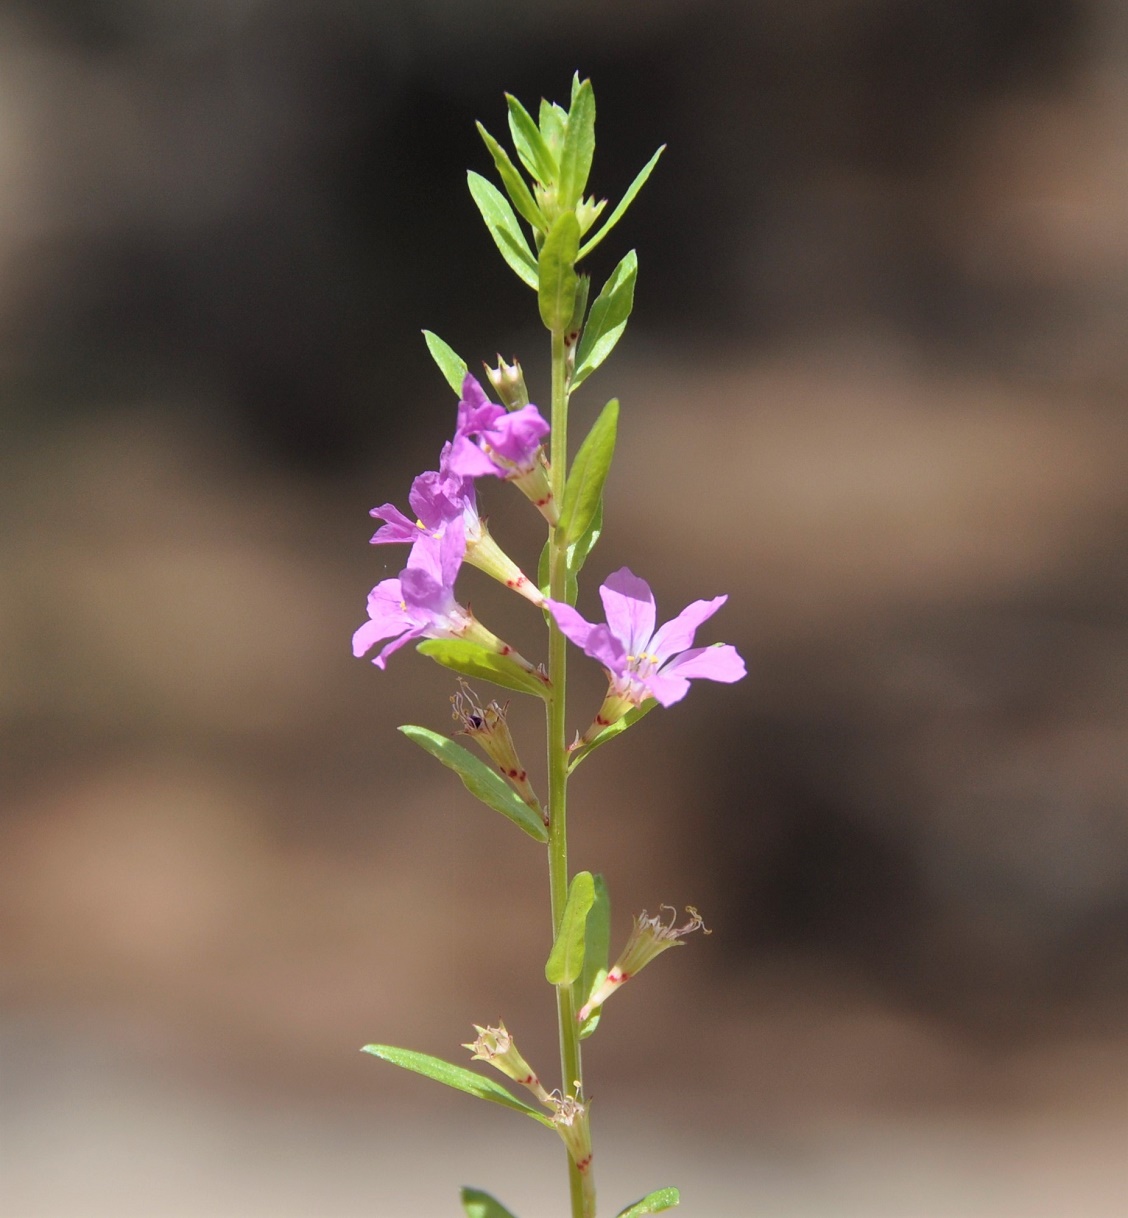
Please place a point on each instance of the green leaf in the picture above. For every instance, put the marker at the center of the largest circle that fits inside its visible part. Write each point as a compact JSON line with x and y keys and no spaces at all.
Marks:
{"x":553,"y":119}
{"x":576,"y":321}
{"x":624,"y":203}
{"x":481,"y":1205}
{"x":567,"y":956}
{"x":452,"y":366}
{"x":611,"y":731}
{"x":514,"y":184}
{"x":607,"y":319}
{"x":652,"y":1203}
{"x":504,"y":228}
{"x":534,"y":153}
{"x":597,"y":947}
{"x":575,"y":556}
{"x":454,"y":1076}
{"x":584,"y":490}
{"x":556,"y":269}
{"x":474,"y":660}
{"x":477,"y":777}
{"x":579,"y":146}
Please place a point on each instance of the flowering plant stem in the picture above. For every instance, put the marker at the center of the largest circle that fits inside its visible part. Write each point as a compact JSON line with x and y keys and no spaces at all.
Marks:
{"x":571,"y":1068}
{"x":645,"y":664}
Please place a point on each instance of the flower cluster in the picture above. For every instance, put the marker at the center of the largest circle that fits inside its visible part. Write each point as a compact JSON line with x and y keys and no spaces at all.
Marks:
{"x":447,"y":530}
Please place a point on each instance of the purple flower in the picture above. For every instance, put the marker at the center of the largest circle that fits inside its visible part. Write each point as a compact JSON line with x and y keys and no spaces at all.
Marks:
{"x":420,"y":603}
{"x":437,"y":497}
{"x":643,"y":662}
{"x":442,"y":501}
{"x":492,"y":440}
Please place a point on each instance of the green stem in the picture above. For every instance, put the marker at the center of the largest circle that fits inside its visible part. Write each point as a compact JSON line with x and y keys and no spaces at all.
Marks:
{"x":570,"y":1064}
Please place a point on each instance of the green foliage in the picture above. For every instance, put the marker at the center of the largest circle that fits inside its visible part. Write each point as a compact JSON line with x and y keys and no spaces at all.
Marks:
{"x":452,"y":366}
{"x":477,"y":777}
{"x":607,"y":320}
{"x":623,"y":204}
{"x":579,"y":146}
{"x":611,"y":731}
{"x":553,"y":119}
{"x":504,"y":228}
{"x":474,"y":660}
{"x":513,"y":182}
{"x":566,"y":960}
{"x":652,"y":1203}
{"x":597,"y":948}
{"x":556,"y":269}
{"x":457,"y":1077}
{"x":583,"y":493}
{"x":532,"y":149}
{"x":481,"y":1205}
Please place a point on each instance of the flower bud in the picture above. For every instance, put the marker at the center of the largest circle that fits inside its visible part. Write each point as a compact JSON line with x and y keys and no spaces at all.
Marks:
{"x":495,"y":1045}
{"x":649,"y":938}
{"x":488,"y":727}
{"x":509,"y":384}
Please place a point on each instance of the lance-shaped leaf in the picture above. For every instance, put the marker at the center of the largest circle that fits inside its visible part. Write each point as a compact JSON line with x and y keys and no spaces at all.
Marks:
{"x":532,"y":150}
{"x":607,"y":319}
{"x":514,"y":184}
{"x":552,"y":119}
{"x":566,"y":960}
{"x":579,"y":146}
{"x":477,"y":777}
{"x":481,"y":1205}
{"x":504,"y":228}
{"x":624,"y":203}
{"x":652,"y":1203}
{"x":451,"y":365}
{"x":611,"y":731}
{"x":557,"y":274}
{"x":597,"y":947}
{"x":575,"y":556}
{"x":457,"y":1077}
{"x":474,"y":660}
{"x":584,"y":491}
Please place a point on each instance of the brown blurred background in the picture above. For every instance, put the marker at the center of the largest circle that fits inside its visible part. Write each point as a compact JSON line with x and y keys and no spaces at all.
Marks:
{"x":874,"y":388}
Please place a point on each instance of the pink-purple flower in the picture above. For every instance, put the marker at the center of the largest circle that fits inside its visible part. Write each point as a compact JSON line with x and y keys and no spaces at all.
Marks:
{"x":420,"y":603}
{"x":442,"y":501}
{"x":642,"y":662}
{"x":490,"y":440}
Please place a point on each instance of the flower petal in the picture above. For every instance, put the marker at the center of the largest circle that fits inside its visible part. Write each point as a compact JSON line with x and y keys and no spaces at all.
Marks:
{"x":721,"y":662}
{"x":629,"y":605}
{"x":572,"y":625}
{"x":396,"y":528}
{"x":677,"y":634}
{"x":468,"y":460}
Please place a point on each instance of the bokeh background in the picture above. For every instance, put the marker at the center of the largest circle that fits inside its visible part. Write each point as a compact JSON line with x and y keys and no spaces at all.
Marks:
{"x":874,"y":389}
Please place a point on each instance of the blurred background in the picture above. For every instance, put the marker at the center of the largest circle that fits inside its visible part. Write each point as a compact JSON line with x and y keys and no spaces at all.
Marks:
{"x":874,"y":389}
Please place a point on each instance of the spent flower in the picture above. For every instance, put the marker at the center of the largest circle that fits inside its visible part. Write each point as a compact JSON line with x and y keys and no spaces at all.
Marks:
{"x":649,"y":938}
{"x":495,"y":1045}
{"x":489,"y":728}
